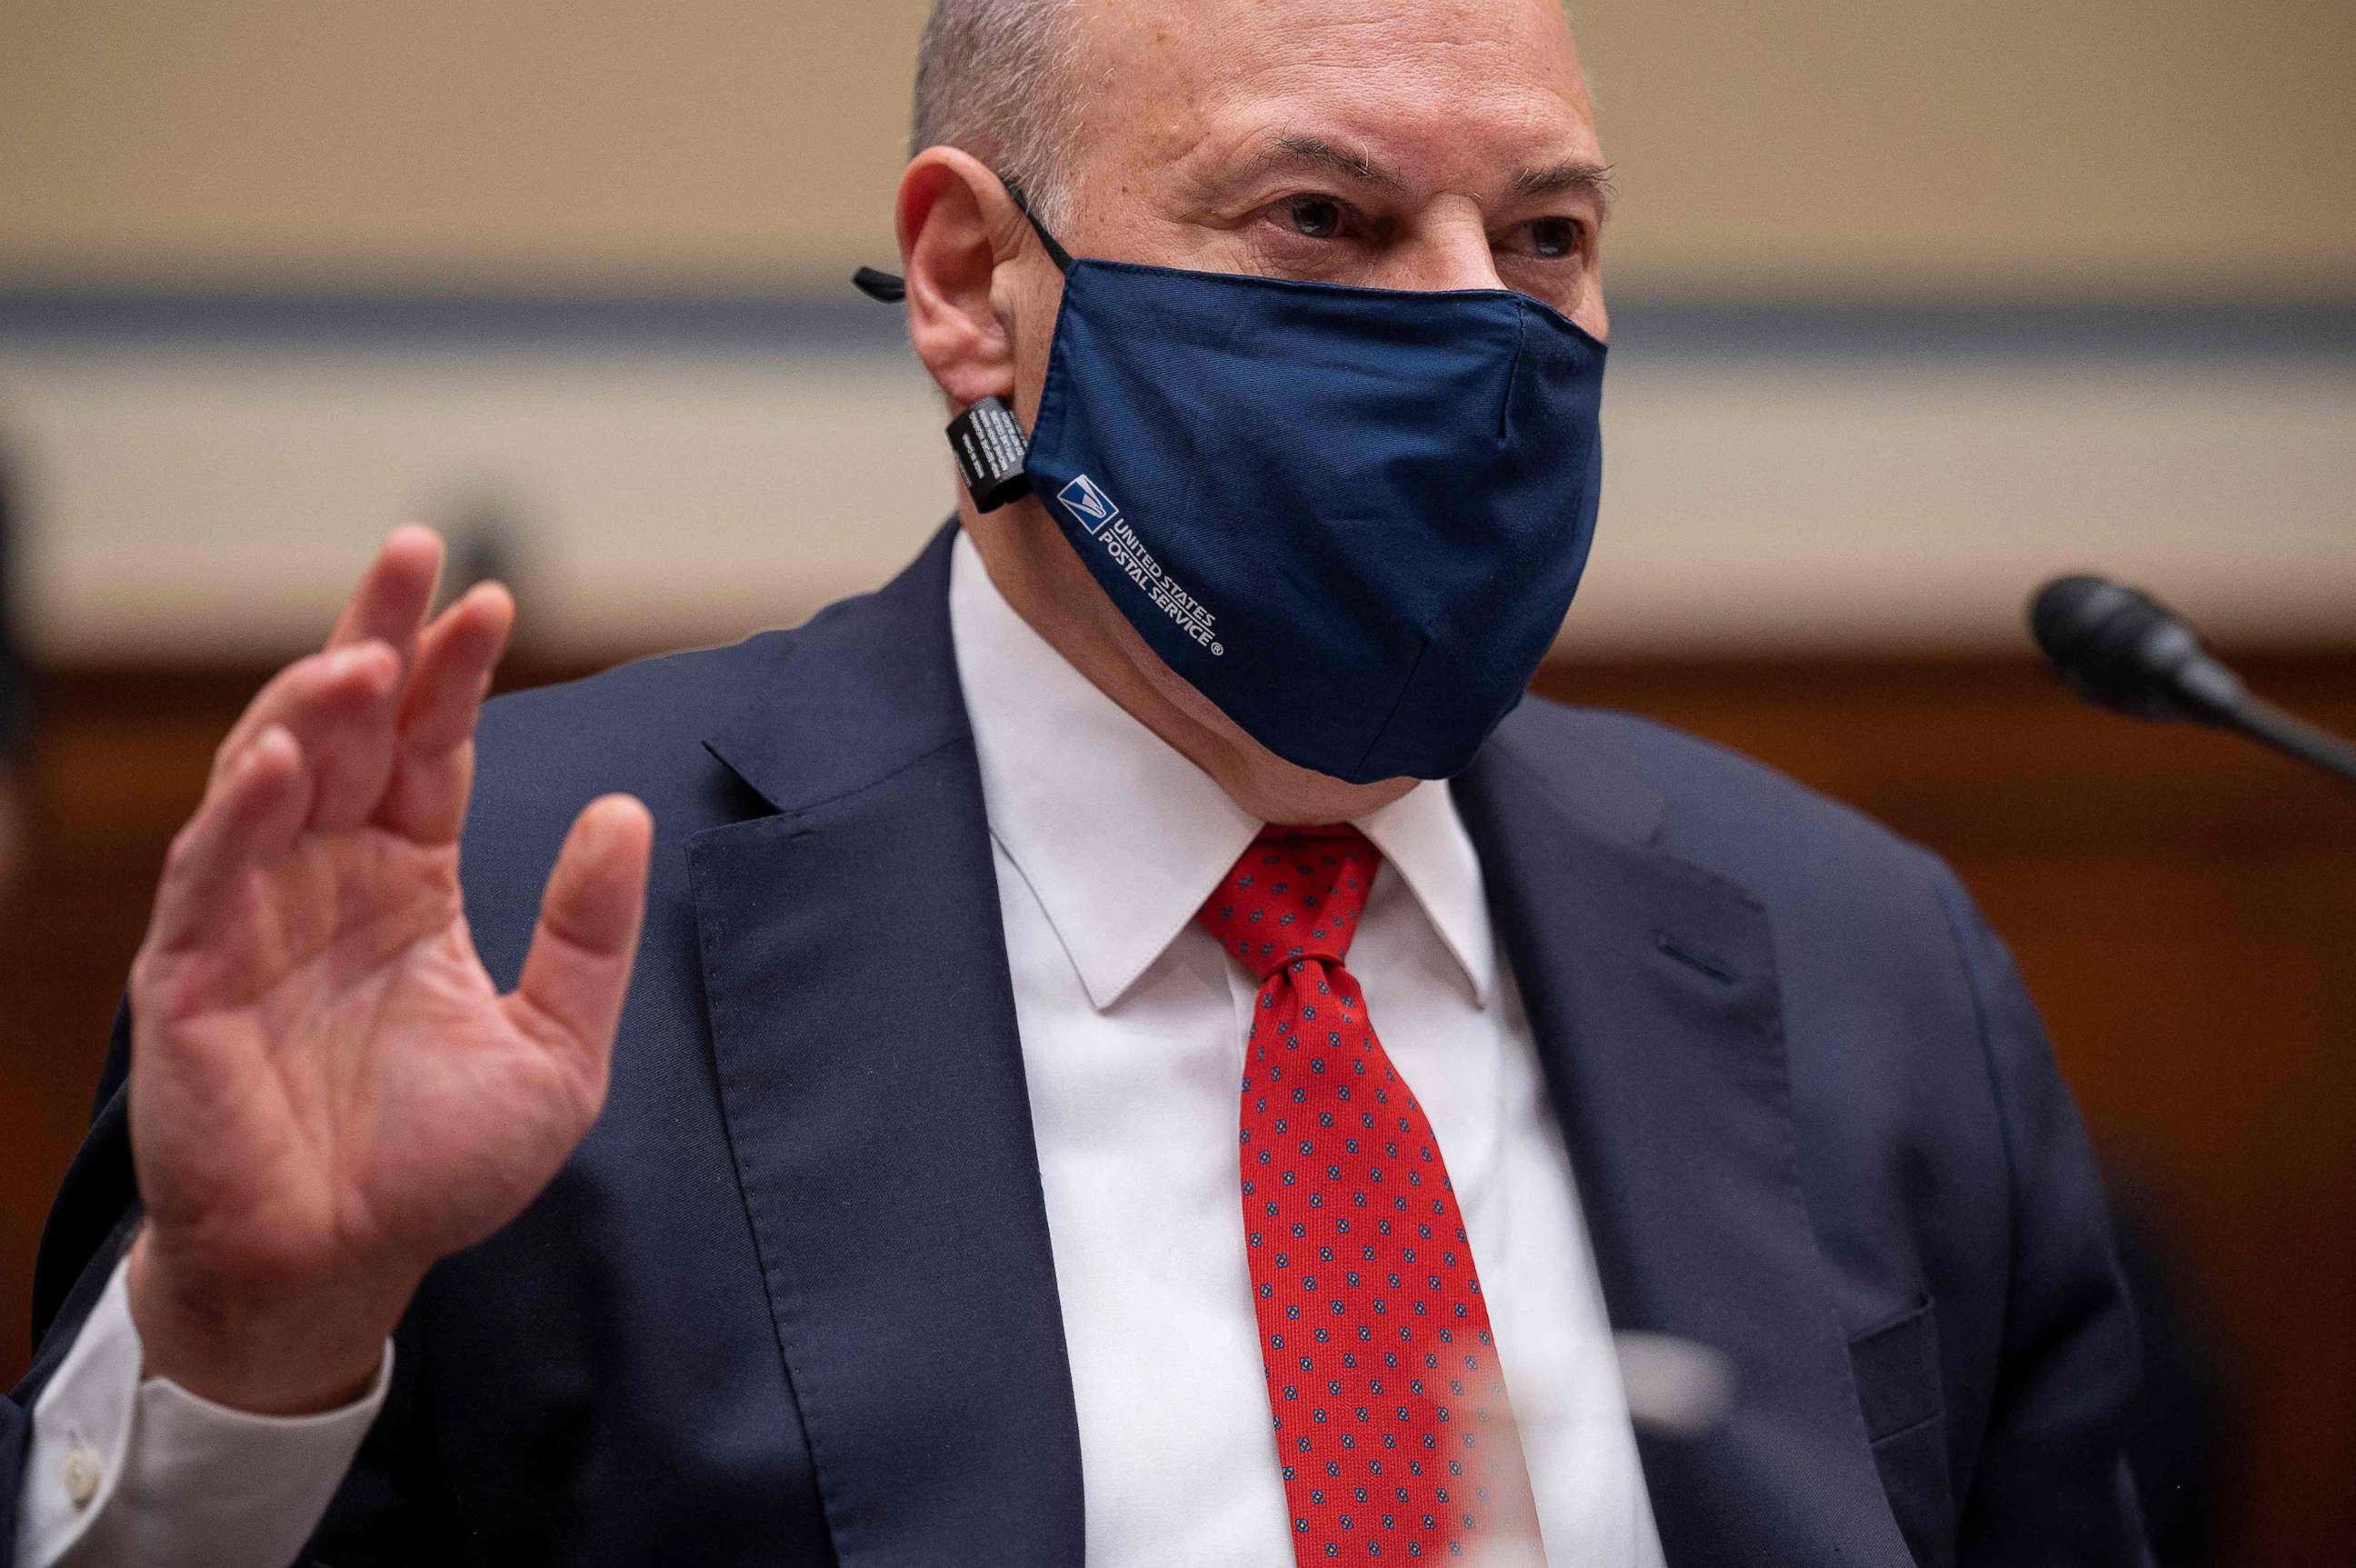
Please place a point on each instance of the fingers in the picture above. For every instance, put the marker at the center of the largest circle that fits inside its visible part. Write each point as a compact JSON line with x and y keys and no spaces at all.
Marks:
{"x":389,"y":605}
{"x":570,"y":994}
{"x":250,"y":817}
{"x":311,"y":692}
{"x":456,"y":659}
{"x":340,"y":707}
{"x":433,"y":763}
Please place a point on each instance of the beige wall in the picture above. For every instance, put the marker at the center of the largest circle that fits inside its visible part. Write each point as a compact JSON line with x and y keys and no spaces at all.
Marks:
{"x":2080,"y":148}
{"x":194,"y":502}
{"x":2088,"y":148}
{"x":185,"y":496}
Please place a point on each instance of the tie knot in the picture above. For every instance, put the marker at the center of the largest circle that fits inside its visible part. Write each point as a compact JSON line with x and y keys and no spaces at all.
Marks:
{"x":1296,"y":894}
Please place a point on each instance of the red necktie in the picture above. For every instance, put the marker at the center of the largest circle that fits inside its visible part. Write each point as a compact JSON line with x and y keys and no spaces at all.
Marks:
{"x":1392,"y":1421}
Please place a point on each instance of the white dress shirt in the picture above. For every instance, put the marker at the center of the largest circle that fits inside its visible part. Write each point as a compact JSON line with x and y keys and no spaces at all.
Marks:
{"x":126,"y":1472}
{"x":1132,"y":1022}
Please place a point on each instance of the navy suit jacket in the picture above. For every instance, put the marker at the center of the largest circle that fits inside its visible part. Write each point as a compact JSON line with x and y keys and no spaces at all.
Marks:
{"x":792,"y":1301}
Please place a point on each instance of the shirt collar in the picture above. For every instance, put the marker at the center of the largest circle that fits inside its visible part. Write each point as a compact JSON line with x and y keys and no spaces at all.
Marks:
{"x":1121,"y":837}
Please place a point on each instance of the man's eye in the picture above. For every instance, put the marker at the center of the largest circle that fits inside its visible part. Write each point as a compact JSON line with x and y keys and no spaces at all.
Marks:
{"x":1553,"y":237}
{"x":1314,"y":217}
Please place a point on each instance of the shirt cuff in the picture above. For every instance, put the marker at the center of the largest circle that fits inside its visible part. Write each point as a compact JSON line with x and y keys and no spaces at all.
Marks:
{"x":127,"y":1470}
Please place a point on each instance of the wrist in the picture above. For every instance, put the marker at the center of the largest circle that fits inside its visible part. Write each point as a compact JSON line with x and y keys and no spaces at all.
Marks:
{"x":266,"y":1348}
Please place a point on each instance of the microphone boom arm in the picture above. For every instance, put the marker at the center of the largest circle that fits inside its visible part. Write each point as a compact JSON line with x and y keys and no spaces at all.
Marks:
{"x":2287,"y":733}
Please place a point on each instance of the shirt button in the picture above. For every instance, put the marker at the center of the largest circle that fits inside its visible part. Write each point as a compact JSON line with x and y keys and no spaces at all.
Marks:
{"x":83,"y":1473}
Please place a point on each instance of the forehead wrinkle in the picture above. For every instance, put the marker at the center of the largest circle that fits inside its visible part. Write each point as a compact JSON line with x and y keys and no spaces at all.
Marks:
{"x":1208,"y":100}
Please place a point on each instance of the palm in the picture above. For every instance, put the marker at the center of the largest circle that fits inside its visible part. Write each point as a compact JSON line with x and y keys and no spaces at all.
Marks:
{"x":324,"y":1077}
{"x":347,"y":1051}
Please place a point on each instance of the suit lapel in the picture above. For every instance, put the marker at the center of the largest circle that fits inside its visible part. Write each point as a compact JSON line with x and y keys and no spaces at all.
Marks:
{"x":1650,"y":988}
{"x":871,"y":1079}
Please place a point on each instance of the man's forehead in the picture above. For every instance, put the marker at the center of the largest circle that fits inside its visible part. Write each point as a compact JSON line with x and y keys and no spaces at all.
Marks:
{"x":1161,"y":77}
{"x":1490,"y":35}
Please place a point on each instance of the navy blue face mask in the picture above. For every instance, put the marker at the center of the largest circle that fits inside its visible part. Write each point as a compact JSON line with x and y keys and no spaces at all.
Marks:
{"x":1352,"y":517}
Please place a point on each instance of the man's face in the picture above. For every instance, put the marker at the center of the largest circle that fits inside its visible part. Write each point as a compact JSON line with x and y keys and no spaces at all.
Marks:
{"x":1415,"y":144}
{"x":1408,"y":145}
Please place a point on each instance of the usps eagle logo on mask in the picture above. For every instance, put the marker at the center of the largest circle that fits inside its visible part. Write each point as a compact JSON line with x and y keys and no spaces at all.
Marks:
{"x":1089,"y":506}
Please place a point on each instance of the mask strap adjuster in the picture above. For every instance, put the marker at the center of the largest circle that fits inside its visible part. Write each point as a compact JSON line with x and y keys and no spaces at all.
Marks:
{"x":990,"y":448}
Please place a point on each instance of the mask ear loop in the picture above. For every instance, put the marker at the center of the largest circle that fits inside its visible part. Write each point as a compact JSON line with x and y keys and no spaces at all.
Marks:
{"x":1055,"y":251}
{"x":891,"y":288}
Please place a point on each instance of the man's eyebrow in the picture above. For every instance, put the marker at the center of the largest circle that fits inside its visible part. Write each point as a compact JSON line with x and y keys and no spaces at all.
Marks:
{"x":1349,"y":162}
{"x":1576,"y":176}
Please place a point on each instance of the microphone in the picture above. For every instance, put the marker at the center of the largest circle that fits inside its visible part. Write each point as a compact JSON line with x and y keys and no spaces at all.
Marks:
{"x":1675,"y":1388}
{"x":2124,"y":650}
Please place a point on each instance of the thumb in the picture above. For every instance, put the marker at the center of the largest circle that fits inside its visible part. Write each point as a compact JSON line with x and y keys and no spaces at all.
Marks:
{"x":574,"y":977}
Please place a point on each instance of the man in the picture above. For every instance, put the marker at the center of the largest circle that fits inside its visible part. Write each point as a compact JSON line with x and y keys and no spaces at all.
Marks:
{"x":921,"y":1222}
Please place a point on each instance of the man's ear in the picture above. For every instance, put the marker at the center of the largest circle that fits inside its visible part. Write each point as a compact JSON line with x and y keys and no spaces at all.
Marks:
{"x":956,"y":227}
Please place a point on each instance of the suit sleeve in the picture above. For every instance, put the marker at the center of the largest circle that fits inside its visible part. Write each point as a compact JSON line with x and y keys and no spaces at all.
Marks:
{"x":89,"y":1228}
{"x":14,"y":720}
{"x":2050,"y":1485}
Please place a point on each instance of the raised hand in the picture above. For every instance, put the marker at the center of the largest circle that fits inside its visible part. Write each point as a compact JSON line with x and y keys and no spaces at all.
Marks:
{"x":327,"y":1094}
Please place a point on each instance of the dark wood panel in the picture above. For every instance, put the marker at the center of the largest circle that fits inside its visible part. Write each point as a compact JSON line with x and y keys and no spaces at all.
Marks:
{"x":2183,"y":905}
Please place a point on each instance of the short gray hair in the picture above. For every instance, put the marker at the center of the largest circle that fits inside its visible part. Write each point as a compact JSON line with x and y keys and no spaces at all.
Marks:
{"x":991,"y":81}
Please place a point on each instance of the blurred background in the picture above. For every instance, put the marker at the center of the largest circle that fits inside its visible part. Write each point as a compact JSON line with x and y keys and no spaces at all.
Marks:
{"x":1915,"y":304}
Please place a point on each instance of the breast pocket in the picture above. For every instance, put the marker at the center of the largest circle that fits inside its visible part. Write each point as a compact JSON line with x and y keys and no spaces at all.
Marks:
{"x":1897,"y":1369}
